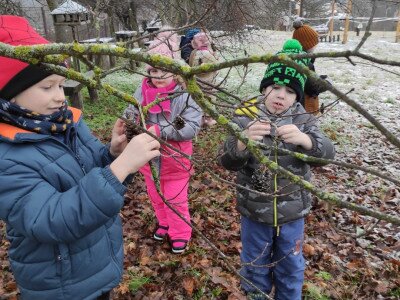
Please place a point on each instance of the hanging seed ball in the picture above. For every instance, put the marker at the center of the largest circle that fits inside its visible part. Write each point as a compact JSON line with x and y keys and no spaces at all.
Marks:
{"x":179,"y":123}
{"x":131,"y":130}
{"x":261,"y":179}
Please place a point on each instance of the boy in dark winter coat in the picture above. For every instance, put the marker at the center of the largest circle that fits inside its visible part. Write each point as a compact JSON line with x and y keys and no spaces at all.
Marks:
{"x":61,"y":189}
{"x":272,"y":222}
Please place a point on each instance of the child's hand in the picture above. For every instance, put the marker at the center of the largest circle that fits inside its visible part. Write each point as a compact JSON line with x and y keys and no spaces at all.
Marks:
{"x":141,"y":149}
{"x":256,"y":131}
{"x":118,"y":138}
{"x":291,"y":134}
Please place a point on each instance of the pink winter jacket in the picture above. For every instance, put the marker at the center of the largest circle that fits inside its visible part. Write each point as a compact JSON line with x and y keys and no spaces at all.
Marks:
{"x":171,"y":164}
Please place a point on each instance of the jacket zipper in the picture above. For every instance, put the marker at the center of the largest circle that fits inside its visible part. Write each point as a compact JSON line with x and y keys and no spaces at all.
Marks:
{"x":276,"y":189}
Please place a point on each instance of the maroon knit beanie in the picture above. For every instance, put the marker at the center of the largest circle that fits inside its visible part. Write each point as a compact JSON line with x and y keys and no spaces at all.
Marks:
{"x":15,"y":75}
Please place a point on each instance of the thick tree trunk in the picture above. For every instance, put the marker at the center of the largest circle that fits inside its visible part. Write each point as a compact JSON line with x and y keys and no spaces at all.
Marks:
{"x":133,"y":20}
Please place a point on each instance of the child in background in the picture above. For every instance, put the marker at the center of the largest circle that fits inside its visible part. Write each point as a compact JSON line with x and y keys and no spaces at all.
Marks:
{"x":177,"y":119}
{"x":203,"y":54}
{"x":308,"y":39}
{"x":61,"y":189}
{"x":186,"y":43}
{"x":272,"y":224}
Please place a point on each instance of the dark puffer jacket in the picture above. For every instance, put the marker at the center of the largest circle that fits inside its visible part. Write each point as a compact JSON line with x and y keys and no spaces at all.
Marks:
{"x":61,"y":209}
{"x":291,"y":202}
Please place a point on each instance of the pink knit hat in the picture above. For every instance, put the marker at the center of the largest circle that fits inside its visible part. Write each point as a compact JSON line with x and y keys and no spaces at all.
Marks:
{"x":165,"y":43}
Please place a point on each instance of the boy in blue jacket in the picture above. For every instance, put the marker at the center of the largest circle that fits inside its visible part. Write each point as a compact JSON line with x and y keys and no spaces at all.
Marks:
{"x":61,"y":189}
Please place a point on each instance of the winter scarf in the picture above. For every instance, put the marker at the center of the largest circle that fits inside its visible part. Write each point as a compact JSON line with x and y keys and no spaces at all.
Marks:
{"x":151,"y":93}
{"x":57,"y":123}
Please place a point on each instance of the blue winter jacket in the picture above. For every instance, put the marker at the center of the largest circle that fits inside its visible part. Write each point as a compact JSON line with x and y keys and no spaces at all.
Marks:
{"x":61,"y":210}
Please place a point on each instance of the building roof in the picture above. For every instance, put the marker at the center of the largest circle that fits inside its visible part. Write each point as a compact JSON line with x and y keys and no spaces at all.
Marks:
{"x":69,"y":7}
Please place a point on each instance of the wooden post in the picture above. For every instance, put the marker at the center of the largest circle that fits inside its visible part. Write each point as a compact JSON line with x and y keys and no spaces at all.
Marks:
{"x":298,"y":6}
{"x":46,"y":33}
{"x":77,"y":66}
{"x":301,"y":8}
{"x":347,"y":22}
{"x":398,"y":27}
{"x":331,"y":21}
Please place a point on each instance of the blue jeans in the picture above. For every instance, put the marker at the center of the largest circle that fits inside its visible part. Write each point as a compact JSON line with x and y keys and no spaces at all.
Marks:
{"x":261,"y":246}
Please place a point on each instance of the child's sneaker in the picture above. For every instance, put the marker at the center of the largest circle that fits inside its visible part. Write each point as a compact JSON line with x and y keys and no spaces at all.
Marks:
{"x":255,"y":296}
{"x":161,"y":233}
{"x":178,"y":246}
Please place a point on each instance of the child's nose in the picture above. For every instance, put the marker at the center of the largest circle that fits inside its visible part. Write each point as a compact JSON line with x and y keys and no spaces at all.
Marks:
{"x":60,"y":96}
{"x":282,"y":93}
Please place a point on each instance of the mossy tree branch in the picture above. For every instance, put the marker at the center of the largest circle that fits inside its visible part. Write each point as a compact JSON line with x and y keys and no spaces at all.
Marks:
{"x":34,"y":54}
{"x":45,"y":53}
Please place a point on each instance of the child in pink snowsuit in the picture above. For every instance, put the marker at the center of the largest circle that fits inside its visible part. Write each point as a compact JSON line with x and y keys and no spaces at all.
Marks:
{"x":177,"y":119}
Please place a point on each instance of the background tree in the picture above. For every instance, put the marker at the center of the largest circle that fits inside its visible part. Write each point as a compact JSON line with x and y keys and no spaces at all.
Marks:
{"x":9,"y":7}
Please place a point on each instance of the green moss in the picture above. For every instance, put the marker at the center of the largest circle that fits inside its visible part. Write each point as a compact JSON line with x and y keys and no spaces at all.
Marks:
{"x":97,"y":71}
{"x":71,"y":74}
{"x":282,"y":56}
{"x":120,"y":50}
{"x":255,"y":58}
{"x":128,"y":98}
{"x":34,"y":61}
{"x":55,"y":59}
{"x":157,"y":58}
{"x":96,"y":49}
{"x":78,"y":47}
{"x":206,"y":67}
{"x":23,"y":52}
{"x":186,"y":69}
{"x":108,"y":88}
{"x":222,"y":120}
{"x":266,"y":57}
{"x":301,"y":156}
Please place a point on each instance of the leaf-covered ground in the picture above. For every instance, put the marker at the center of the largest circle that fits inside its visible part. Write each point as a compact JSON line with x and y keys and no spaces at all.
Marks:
{"x":339,"y":265}
{"x":349,"y":256}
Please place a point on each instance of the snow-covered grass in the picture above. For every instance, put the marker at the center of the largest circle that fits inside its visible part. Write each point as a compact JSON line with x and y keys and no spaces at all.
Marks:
{"x":376,"y":87}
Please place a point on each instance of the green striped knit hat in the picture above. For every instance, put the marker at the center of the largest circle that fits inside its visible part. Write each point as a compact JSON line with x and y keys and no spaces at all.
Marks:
{"x":279,"y":73}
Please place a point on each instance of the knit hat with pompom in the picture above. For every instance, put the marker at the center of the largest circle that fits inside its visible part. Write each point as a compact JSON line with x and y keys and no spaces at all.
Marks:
{"x":307,"y":36}
{"x":15,"y":75}
{"x":165,"y":43}
{"x":279,"y":73}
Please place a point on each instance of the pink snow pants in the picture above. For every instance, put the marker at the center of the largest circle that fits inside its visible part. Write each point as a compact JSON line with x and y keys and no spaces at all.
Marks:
{"x":176,"y":193}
